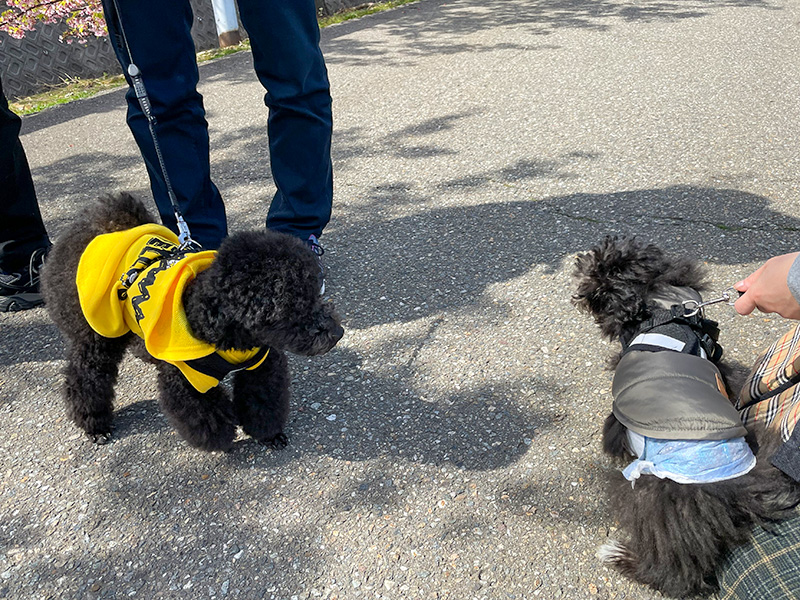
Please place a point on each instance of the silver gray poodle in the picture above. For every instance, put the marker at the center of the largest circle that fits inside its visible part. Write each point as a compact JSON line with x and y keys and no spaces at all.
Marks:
{"x":675,"y":534}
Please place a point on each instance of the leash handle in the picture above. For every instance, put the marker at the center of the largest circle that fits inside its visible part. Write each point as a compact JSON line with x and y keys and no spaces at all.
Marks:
{"x":141,"y":92}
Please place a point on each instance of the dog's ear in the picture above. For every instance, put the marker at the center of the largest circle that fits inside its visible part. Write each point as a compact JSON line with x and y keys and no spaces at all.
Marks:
{"x":612,"y":283}
{"x":259,"y":279}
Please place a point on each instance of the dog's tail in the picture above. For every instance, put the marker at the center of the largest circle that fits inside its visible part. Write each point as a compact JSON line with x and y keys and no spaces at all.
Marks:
{"x":675,"y":578}
{"x":115,"y":212}
{"x":676,"y":536}
{"x":614,"y":553}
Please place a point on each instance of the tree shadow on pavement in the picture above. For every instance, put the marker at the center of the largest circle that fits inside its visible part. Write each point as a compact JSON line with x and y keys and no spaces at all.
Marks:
{"x":441,"y":259}
{"x":102,"y":103}
{"x":26,"y":342}
{"x":441,"y":26}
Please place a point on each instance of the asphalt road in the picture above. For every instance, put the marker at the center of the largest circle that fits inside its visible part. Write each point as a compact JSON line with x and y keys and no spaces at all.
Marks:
{"x":449,"y":446}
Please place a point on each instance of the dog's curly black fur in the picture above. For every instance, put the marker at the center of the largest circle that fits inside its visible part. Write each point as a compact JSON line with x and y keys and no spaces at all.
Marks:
{"x":261,"y":290}
{"x":676,"y":534}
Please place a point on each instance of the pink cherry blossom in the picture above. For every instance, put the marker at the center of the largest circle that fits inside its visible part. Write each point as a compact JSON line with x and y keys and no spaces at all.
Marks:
{"x":83,"y":18}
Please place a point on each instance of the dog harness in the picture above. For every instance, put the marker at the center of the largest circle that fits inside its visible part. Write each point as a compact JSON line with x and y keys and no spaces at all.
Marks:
{"x":669,"y":394}
{"x":134,"y":280}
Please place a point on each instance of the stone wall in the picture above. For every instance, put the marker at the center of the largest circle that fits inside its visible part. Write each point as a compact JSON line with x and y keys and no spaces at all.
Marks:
{"x":40,"y":60}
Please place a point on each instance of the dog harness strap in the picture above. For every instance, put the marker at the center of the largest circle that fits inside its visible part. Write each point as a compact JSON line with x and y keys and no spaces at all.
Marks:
{"x":693,"y":334}
{"x":217,"y":367}
{"x":168,"y":253}
{"x":709,"y":334}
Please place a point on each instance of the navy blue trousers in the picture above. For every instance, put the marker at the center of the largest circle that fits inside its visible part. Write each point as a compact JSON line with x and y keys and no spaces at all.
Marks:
{"x":21,"y":228}
{"x":284,"y":37}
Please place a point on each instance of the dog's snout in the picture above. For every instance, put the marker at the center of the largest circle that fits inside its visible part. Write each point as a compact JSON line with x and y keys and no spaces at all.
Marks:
{"x":330,"y":322}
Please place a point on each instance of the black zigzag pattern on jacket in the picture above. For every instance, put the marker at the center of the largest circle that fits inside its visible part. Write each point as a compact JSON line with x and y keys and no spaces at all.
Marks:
{"x":148,"y":280}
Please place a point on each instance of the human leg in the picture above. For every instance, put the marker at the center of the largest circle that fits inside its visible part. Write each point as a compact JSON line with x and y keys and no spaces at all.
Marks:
{"x":284,"y":37}
{"x":765,"y":567}
{"x":158,"y":34}
{"x":23,"y":238}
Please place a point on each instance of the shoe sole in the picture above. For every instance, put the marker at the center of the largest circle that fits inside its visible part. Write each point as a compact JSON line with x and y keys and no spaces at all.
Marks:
{"x":19,"y":302}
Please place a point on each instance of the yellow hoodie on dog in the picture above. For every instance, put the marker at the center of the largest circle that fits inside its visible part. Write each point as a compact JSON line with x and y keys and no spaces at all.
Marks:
{"x":133,"y":280}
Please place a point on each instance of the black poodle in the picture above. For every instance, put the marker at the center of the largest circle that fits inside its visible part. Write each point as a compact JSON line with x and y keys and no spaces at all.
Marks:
{"x":693,"y":488}
{"x":256,"y":298}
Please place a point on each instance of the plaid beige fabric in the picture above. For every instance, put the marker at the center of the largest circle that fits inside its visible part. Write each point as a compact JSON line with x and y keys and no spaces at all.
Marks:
{"x":771,"y":396}
{"x":766,"y":569}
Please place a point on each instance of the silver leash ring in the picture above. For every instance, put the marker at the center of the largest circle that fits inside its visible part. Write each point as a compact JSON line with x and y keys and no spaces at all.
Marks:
{"x":691,"y":307}
{"x":731,"y":295}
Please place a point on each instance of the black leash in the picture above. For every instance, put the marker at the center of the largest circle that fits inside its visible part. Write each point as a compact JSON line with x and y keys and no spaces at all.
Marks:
{"x":184,"y":236}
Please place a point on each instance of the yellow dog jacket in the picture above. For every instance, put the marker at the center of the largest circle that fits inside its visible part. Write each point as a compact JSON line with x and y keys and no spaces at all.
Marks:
{"x":133,"y":280}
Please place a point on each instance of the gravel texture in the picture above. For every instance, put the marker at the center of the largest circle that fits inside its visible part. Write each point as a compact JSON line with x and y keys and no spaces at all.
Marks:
{"x":449,"y":446}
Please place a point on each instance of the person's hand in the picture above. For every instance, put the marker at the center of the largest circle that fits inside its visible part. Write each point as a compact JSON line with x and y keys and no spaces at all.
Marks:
{"x":766,"y":289}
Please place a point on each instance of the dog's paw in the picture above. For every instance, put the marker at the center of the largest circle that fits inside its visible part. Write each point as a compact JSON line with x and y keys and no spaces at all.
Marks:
{"x":100,"y":439}
{"x":212,"y":430}
{"x":216,"y":439}
{"x":276,"y":443}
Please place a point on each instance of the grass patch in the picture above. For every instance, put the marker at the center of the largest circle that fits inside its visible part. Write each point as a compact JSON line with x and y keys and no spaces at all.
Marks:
{"x":361,"y":11}
{"x":213,"y":53}
{"x":75,"y":88}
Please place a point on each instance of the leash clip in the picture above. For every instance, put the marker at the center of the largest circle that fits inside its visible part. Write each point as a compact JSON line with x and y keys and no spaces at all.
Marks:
{"x":692,"y":307}
{"x":184,"y":236}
